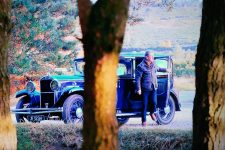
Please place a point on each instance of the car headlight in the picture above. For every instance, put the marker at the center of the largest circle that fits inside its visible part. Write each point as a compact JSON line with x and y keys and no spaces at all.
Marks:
{"x":54,"y":85}
{"x":30,"y":87}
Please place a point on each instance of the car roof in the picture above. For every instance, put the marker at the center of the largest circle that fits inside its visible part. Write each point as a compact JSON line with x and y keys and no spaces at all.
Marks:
{"x":134,"y":54}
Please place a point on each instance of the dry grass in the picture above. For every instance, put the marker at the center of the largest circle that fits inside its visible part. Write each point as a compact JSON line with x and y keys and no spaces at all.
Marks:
{"x":157,"y":139}
{"x":184,"y":83}
{"x":48,"y":136}
{"x":55,"y":136}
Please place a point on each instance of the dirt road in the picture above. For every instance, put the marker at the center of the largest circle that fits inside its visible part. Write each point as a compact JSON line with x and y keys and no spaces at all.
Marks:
{"x":181,"y":121}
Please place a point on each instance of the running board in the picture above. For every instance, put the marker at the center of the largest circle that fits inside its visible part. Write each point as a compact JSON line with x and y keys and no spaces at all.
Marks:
{"x":127,"y":114}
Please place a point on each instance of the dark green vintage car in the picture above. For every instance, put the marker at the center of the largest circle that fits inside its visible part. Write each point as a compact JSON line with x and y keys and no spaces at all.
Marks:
{"x":61,"y":97}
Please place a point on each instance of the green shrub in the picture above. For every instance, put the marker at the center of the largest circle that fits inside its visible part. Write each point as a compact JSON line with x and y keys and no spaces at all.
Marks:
{"x":184,"y":69}
{"x":35,"y":19}
{"x":64,"y":22}
{"x":68,"y":45}
{"x":58,"y":6}
{"x":23,"y":64}
{"x":24,"y":139}
{"x":13,"y":69}
{"x":35,"y":66}
{"x":48,"y":136}
{"x":72,"y":12}
{"x":40,"y":1}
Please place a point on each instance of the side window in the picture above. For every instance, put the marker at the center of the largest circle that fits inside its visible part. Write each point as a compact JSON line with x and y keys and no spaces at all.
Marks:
{"x":124,"y":68}
{"x":121,"y":70}
{"x":162,"y":63}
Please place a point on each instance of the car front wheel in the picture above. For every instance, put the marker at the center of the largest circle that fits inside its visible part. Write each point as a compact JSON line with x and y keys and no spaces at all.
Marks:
{"x":166,"y":115}
{"x":20,"y":105}
{"x":122,"y":120}
{"x":73,"y":109}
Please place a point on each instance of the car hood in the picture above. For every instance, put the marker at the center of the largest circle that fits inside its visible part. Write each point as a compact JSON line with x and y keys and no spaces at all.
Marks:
{"x":68,"y":78}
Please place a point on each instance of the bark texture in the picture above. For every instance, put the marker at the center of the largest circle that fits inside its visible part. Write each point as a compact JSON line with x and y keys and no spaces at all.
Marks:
{"x":103,"y":27}
{"x":8,"y":139}
{"x":209,"y":103}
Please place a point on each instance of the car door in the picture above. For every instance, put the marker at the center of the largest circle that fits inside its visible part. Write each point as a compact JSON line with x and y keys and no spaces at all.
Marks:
{"x":124,"y":73}
{"x":165,"y":79}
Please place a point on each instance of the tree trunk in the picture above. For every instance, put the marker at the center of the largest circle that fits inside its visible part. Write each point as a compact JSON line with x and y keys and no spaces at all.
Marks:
{"x":103,"y":27}
{"x":8,"y":139}
{"x":209,"y":103}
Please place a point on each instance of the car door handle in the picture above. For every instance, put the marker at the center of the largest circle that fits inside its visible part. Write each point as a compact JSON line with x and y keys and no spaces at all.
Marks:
{"x":118,"y":84}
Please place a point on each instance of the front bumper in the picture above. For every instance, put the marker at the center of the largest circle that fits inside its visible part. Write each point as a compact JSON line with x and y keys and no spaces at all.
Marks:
{"x":34,"y":111}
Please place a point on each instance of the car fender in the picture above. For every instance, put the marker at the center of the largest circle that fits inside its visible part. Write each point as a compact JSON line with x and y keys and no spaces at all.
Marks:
{"x":74,"y":89}
{"x":22,"y":93}
{"x":33,"y":97}
{"x":67,"y":92}
{"x":175,"y":95}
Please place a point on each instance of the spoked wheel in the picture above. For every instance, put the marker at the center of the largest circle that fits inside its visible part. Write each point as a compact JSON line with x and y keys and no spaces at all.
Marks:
{"x":20,"y":105}
{"x":73,"y":109}
{"x":122,"y":120}
{"x":166,"y":115}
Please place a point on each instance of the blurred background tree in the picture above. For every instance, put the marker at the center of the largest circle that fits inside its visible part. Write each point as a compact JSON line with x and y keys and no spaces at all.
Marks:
{"x":209,"y":102}
{"x":103,"y":27}
{"x":8,"y":139}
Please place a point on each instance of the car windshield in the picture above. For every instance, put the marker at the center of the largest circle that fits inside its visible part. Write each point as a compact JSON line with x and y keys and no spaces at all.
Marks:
{"x":79,"y":67}
{"x":122,"y":70}
{"x":124,"y":67}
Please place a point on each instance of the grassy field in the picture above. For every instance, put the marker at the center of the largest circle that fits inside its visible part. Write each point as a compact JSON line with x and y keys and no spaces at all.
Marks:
{"x":162,"y":28}
{"x":54,"y":137}
{"x":154,"y":139}
{"x":184,"y":83}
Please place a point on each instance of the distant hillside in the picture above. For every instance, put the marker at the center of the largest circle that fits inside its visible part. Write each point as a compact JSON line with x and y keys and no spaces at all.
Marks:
{"x":43,"y":35}
{"x":188,"y":2}
{"x":161,"y":29}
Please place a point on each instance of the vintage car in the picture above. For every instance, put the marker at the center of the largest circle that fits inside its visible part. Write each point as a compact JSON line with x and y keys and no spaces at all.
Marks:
{"x":61,"y":97}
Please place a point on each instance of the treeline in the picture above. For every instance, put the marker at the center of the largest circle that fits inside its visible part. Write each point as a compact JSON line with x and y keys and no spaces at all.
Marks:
{"x":184,"y":62}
